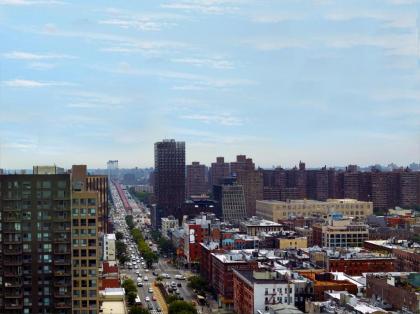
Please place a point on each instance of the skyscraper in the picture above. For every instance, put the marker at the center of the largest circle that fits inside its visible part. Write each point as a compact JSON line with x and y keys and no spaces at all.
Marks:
{"x":169,"y":179}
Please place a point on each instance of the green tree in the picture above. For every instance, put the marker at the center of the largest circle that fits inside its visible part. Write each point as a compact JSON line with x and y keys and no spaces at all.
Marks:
{"x":119,"y":235}
{"x":197,"y":283}
{"x":130,"y":222}
{"x":139,"y":310}
{"x":171,"y":298}
{"x":129,"y":286}
{"x":131,"y":297}
{"x":177,"y":307}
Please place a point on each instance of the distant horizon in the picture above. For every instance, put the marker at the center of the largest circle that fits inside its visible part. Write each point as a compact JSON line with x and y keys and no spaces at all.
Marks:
{"x":227,"y":161}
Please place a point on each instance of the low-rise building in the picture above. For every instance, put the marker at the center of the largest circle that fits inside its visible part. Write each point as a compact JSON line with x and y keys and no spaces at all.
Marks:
{"x":401,"y":291}
{"x":255,"y":225}
{"x":109,"y":247}
{"x":255,"y":291}
{"x":278,"y":210}
{"x":322,"y":281}
{"x":113,"y":301}
{"x":407,"y":253}
{"x":168,"y":224}
{"x":292,"y":242}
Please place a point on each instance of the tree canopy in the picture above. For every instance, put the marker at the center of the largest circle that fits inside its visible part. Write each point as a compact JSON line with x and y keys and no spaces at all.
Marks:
{"x":178,"y":307}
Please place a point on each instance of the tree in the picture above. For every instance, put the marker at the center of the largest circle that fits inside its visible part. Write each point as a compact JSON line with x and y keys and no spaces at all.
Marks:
{"x":119,"y":235}
{"x":131,"y":297}
{"x":129,"y":286}
{"x":130,"y":222}
{"x":197,"y":283}
{"x":177,"y":307}
{"x":171,"y":298}
{"x":139,"y":310}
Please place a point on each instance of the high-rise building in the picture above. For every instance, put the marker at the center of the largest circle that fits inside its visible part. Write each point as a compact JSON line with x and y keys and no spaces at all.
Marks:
{"x":196,"y":179}
{"x":35,"y":255}
{"x":218,"y":170}
{"x":409,"y":188}
{"x":169,"y":179}
{"x":50,"y":235}
{"x":250,"y":179}
{"x":230,"y":198}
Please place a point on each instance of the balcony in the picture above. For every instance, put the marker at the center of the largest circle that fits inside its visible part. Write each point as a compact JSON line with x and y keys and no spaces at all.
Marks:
{"x":14,"y":251}
{"x":11,"y":274}
{"x":13,"y":294}
{"x":62,"y":239}
{"x":13,"y":306}
{"x":12,"y":241}
{"x":12,"y":262}
{"x":59,"y":252}
{"x":13,"y":283}
{"x":62,"y":295}
{"x":62,"y":262}
{"x":62,"y":283}
{"x":8,"y":209}
{"x":62,"y":273}
{"x":12,"y":217}
{"x":63,"y":305}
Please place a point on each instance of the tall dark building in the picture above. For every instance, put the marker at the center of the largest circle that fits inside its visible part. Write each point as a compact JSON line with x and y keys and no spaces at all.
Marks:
{"x":218,"y":170}
{"x":35,"y":246}
{"x":169,"y":179}
{"x":196,"y":180}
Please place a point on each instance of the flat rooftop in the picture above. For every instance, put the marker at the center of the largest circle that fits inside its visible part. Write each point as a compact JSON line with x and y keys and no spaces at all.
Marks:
{"x":113,"y":307}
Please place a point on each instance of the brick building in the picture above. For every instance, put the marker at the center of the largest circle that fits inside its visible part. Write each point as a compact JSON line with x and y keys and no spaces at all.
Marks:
{"x":400,"y":290}
{"x":357,"y":264}
{"x":196,"y":180}
{"x":218,"y":170}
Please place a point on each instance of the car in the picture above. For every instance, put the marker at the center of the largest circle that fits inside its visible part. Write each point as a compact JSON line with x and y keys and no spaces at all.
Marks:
{"x":173,"y":284}
{"x":139,"y":284}
{"x":150,"y":290}
{"x":138,"y":272}
{"x":154,"y":298}
{"x":179,"y":284}
{"x":136,"y":266}
{"x":146,"y":278}
{"x":178,"y":277}
{"x":146,"y":271}
{"x":147,"y":299}
{"x":158,"y":309}
{"x":139,"y":275}
{"x":150,"y":306}
{"x":155,"y":273}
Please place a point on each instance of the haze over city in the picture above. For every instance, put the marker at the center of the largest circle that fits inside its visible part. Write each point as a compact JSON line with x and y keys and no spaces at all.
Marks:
{"x":327,"y":82}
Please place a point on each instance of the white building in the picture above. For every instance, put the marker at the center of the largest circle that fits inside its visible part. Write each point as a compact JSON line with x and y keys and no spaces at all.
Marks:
{"x":168,"y":224}
{"x":109,"y":247}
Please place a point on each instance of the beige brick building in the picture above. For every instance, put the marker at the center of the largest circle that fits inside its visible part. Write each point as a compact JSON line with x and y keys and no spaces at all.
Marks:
{"x":278,"y":210}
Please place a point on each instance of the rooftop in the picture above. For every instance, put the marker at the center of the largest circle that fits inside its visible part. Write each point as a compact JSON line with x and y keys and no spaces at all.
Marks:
{"x":306,"y":201}
{"x":255,"y":221}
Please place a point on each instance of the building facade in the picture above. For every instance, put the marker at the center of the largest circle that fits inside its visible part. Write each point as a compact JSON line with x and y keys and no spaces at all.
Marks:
{"x":277,"y":210}
{"x":196,"y":179}
{"x":169,"y":179}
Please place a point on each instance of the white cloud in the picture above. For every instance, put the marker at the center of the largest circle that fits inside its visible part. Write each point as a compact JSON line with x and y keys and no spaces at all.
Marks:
{"x":216,"y":63}
{"x":94,"y":100}
{"x":273,"y":44}
{"x":206,"y":6}
{"x":271,"y":18}
{"x":41,"y":65}
{"x":21,"y":83}
{"x":28,"y":56}
{"x":29,"y":2}
{"x":222,"y":119}
{"x":194,"y":81}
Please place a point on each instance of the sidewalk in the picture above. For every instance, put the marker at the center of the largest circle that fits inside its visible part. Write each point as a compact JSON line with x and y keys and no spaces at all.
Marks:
{"x":160,"y":299}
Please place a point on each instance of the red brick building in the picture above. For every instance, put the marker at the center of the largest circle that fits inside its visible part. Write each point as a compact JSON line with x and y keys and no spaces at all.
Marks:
{"x":395,"y":290}
{"x":321,"y":282}
{"x":358,"y":265}
{"x":222,"y":273}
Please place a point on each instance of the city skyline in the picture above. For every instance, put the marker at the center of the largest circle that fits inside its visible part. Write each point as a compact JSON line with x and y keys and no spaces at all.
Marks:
{"x":321,"y":81}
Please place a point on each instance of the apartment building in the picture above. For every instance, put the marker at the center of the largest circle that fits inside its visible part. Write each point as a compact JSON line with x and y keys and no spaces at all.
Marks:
{"x":35,"y":254}
{"x":340,"y":232}
{"x":277,"y":210}
{"x":255,"y":291}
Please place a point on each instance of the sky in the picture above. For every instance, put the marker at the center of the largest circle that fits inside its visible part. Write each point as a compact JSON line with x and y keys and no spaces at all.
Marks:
{"x":323,"y":81}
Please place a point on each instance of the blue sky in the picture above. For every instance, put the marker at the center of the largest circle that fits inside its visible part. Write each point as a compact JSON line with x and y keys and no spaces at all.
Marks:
{"x":324,"y":81}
